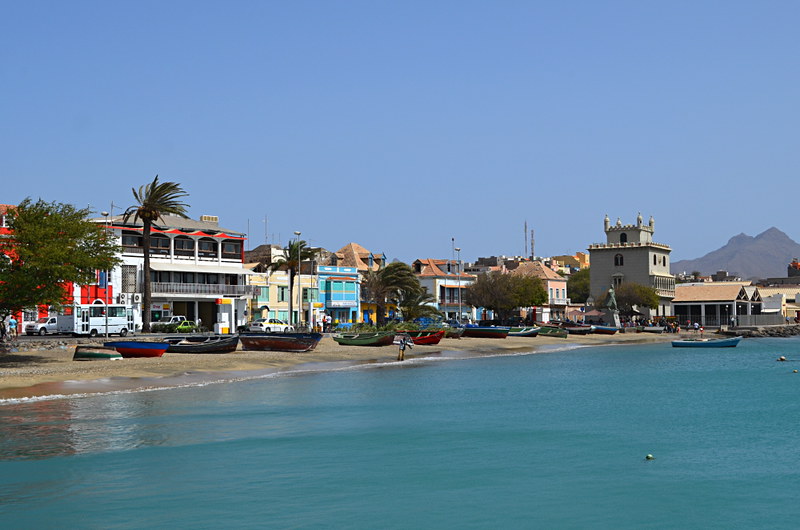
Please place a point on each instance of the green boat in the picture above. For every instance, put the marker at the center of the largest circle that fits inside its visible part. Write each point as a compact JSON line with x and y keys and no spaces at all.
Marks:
{"x":547,"y":331}
{"x":92,"y":352}
{"x":377,"y":338}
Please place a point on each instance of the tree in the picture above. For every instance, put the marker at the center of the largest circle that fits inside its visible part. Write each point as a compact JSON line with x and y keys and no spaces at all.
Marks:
{"x":417,"y":304}
{"x":293,"y":255}
{"x":504,"y":293}
{"x":153,"y":200}
{"x":578,"y":286}
{"x":386,"y":286}
{"x":631,"y":295}
{"x":50,"y":245}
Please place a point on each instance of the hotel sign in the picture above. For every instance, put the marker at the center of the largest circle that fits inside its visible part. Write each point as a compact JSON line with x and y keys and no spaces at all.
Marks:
{"x":342,"y":303}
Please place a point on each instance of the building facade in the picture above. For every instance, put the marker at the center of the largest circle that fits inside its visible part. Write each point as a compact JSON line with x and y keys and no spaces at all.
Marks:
{"x":630,"y":255}
{"x":447,"y":282}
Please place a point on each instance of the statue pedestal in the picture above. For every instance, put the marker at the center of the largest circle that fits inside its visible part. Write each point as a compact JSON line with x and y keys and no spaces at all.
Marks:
{"x":612,"y":316}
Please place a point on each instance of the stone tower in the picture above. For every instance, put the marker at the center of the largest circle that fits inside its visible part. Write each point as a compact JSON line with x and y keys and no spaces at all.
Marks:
{"x":630,"y":255}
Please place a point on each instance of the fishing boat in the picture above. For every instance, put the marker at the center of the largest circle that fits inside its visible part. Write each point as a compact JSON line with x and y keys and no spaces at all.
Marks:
{"x":605,"y":330}
{"x":138,"y":348}
{"x":295,"y":342}
{"x":453,"y":333}
{"x":729,"y":342}
{"x":425,"y":336}
{"x":530,"y":331}
{"x":92,"y":352}
{"x":203,"y":344}
{"x":486,"y":332}
{"x":552,"y":331}
{"x":375,"y":338}
{"x":579,"y":330}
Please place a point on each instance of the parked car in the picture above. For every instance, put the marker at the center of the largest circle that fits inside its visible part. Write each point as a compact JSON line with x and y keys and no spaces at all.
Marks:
{"x":175,"y":319}
{"x":186,"y":326}
{"x":270,"y":325}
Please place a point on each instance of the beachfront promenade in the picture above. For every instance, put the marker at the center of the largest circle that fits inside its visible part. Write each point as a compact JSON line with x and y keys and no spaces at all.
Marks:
{"x":22,"y":371}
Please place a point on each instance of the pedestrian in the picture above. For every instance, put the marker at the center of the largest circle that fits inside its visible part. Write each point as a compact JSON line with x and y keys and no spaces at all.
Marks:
{"x":3,"y":334}
{"x":405,"y":340}
{"x":12,"y":327}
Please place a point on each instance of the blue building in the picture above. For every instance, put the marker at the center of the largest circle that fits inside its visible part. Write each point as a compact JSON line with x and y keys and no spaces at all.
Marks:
{"x":339,"y":292}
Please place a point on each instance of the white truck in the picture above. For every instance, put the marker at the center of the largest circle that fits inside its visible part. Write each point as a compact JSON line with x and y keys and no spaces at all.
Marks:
{"x":52,"y":324}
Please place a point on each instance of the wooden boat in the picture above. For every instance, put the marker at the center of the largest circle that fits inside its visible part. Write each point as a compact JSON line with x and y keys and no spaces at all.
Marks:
{"x":203,"y":344}
{"x":729,"y":342}
{"x":579,"y":330}
{"x":425,"y":336}
{"x":605,"y":330}
{"x":486,"y":332}
{"x":138,"y":348}
{"x":296,"y":342}
{"x":551,"y":331}
{"x":531,"y":331}
{"x":376,"y":338}
{"x":653,"y":329}
{"x":91,"y":352}
{"x":453,"y":333}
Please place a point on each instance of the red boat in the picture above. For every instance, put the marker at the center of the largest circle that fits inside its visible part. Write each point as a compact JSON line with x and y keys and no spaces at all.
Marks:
{"x":429,"y":337}
{"x":138,"y":348}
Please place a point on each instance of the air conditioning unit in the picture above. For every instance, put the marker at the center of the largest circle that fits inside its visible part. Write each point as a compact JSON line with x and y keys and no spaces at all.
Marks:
{"x":123,"y":298}
{"x":137,"y":298}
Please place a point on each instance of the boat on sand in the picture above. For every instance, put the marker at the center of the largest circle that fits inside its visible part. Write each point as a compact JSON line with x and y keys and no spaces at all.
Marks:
{"x":92,"y":352}
{"x":486,"y":332}
{"x":138,"y":348}
{"x":296,"y":342}
{"x":530,"y":331}
{"x":375,"y":338}
{"x":203,"y":344}
{"x":425,"y":336}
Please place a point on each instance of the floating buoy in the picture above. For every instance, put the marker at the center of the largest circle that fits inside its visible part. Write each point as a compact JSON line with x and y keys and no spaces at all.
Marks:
{"x":649,"y":457}
{"x":781,"y":358}
{"x":794,"y":371}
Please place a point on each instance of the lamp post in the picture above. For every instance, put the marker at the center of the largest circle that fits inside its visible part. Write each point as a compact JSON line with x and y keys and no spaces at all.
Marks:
{"x":299,"y":284}
{"x":105,"y":214}
{"x":458,"y":272}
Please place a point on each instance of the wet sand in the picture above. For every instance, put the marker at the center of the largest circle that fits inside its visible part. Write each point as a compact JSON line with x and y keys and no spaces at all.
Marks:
{"x":37,"y":373}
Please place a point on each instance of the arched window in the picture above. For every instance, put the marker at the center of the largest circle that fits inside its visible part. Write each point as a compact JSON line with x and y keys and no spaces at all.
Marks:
{"x":623,"y":237}
{"x":184,"y":246}
{"x":618,"y":261}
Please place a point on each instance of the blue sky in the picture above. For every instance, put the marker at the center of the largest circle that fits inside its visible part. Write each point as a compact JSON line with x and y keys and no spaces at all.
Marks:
{"x":401,"y":125}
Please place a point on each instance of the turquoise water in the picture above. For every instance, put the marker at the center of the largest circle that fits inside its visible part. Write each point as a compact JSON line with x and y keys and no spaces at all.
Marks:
{"x":553,"y":440}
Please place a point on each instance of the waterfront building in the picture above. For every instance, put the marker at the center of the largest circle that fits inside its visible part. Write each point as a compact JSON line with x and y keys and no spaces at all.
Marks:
{"x":556,"y":287}
{"x":447,"y":283}
{"x":720,"y":304}
{"x":362,"y":260}
{"x":630,"y":255}
{"x":339,"y":293}
{"x":196,"y":270}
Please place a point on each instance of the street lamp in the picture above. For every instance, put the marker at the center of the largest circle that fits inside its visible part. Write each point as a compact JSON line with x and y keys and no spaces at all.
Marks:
{"x":299,"y":283}
{"x":458,"y":272}
{"x":105,"y":214}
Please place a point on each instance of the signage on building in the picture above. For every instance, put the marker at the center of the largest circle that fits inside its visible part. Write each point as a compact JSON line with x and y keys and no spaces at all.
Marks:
{"x":342,"y":303}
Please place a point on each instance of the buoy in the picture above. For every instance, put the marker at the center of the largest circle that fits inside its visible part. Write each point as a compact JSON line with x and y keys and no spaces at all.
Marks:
{"x":794,"y":371}
{"x":649,"y":457}
{"x":781,"y":358}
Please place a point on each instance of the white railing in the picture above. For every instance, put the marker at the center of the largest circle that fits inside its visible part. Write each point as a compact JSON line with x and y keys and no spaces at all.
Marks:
{"x":204,"y":288}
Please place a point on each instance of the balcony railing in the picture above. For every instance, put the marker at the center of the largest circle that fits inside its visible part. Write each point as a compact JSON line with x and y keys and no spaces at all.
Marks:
{"x":560,"y":301}
{"x":204,"y":289}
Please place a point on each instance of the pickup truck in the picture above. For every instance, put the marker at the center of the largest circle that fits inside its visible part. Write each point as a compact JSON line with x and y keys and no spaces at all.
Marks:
{"x":54,"y":324}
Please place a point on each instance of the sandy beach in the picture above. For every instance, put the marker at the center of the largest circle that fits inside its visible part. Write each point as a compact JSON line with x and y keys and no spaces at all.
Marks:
{"x":35,"y":373}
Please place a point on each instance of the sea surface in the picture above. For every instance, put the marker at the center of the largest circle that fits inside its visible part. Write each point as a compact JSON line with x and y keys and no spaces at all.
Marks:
{"x":551,"y":440}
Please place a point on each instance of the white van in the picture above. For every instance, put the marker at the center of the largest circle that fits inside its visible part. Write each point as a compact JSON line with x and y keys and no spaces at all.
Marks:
{"x":53,"y":324}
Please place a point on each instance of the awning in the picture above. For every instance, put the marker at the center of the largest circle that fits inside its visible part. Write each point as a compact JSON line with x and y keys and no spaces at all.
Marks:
{"x":209,"y":269}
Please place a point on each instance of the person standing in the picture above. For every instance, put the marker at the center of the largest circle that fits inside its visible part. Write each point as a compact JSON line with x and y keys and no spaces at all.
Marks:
{"x":12,"y":327}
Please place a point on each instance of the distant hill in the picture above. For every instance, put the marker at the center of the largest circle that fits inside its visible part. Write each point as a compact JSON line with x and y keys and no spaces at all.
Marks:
{"x":765,"y":256}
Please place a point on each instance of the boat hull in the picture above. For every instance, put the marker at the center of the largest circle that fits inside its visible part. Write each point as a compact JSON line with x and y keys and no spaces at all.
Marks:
{"x":130,"y":348}
{"x":546,"y":331}
{"x":88,"y":352}
{"x":379,"y":338}
{"x":605,"y":330}
{"x":731,"y":342}
{"x":203,"y":344}
{"x":523,"y":332}
{"x":294,"y":342}
{"x":425,"y":337}
{"x":453,"y":333}
{"x":580,"y":330}
{"x":486,"y":332}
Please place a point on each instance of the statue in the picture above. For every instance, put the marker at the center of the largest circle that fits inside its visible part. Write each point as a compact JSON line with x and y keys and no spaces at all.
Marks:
{"x":611,"y":301}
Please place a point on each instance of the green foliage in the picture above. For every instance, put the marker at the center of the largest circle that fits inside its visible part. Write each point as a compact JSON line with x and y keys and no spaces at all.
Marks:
{"x":152,"y":201}
{"x":578,"y":286}
{"x":417,"y":304}
{"x":50,"y":244}
{"x":389,"y":285}
{"x":631,"y":295}
{"x":503,"y":293}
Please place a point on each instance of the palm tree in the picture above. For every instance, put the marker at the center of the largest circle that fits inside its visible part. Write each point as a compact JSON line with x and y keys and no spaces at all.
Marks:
{"x":387,"y":285}
{"x":417,"y":304}
{"x":153,"y":200}
{"x":293,"y":255}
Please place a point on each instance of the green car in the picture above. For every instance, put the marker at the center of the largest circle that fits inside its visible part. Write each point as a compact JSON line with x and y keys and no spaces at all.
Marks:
{"x":186,"y":326}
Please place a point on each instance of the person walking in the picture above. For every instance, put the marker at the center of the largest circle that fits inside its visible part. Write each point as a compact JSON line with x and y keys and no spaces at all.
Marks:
{"x":12,"y":327}
{"x":405,"y":341}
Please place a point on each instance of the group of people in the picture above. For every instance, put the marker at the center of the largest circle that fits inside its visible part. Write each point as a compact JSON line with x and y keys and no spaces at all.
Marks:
{"x":9,"y":330}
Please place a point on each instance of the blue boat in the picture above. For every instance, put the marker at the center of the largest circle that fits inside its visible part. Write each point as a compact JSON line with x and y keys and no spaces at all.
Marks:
{"x":706,"y":343}
{"x":138,"y":348}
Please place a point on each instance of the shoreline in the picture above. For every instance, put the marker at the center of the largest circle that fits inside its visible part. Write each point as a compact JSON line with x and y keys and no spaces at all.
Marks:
{"x":28,"y":374}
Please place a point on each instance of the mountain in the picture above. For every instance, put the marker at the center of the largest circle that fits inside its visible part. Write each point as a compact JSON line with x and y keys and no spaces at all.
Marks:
{"x":765,"y":256}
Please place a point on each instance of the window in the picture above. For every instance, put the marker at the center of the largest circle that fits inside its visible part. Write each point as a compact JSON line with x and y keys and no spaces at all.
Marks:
{"x":132,"y":239}
{"x":623,"y":237}
{"x":207,"y":247}
{"x":283,"y":294}
{"x":231,"y":249}
{"x":618,"y":260}
{"x":159,"y":245}
{"x":184,"y":246}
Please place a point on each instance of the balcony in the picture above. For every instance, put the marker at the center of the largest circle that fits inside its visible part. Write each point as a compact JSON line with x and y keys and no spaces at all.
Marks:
{"x":560,"y":301}
{"x":204,"y":289}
